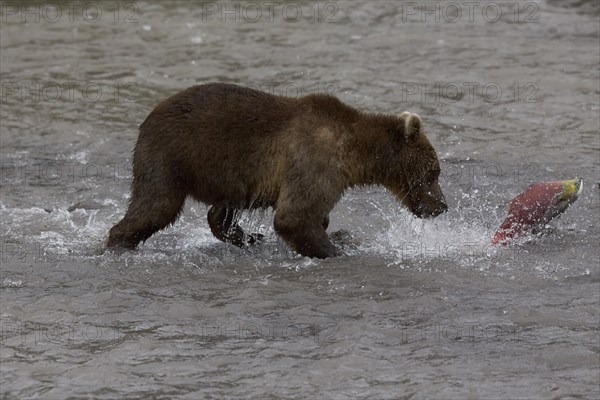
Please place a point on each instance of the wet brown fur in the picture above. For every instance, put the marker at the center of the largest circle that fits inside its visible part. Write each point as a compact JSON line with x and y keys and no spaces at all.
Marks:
{"x":237,"y":148}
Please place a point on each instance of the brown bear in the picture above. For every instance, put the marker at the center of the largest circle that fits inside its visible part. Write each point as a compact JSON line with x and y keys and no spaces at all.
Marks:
{"x":237,"y":148}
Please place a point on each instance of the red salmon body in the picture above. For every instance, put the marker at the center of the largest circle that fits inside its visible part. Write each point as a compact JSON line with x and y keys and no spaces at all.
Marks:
{"x":535,"y":207}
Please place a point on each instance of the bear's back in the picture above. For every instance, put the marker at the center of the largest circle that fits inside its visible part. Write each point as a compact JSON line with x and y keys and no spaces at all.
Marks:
{"x":221,"y":111}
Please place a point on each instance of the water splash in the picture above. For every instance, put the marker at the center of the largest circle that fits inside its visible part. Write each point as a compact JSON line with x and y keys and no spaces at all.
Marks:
{"x":461,"y":235}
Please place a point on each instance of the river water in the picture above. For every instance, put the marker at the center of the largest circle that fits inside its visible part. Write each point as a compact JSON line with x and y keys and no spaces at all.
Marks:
{"x":509,"y":95}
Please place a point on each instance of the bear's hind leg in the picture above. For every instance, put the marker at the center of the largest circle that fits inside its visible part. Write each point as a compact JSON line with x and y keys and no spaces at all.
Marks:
{"x":150,"y":210}
{"x":223,"y":224}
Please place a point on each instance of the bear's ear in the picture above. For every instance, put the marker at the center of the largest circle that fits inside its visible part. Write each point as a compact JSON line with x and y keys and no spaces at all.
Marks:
{"x":412,"y":125}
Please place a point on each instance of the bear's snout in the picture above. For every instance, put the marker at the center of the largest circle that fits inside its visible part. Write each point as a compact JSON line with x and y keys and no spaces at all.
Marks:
{"x":431,"y":206}
{"x":427,"y":212}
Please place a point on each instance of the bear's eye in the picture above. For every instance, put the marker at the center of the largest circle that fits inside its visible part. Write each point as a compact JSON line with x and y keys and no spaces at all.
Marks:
{"x":432,"y":176}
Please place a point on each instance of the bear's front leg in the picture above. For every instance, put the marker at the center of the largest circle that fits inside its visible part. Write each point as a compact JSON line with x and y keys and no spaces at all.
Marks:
{"x":305,"y":235}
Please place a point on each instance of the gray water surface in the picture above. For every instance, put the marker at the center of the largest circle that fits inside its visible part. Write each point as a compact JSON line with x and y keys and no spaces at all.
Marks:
{"x":413,"y":310}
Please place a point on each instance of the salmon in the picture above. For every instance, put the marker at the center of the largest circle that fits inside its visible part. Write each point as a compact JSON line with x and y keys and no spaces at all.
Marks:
{"x":535,"y":207}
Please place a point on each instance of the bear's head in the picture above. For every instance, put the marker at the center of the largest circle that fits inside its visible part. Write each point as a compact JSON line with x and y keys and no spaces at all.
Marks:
{"x":414,"y":181}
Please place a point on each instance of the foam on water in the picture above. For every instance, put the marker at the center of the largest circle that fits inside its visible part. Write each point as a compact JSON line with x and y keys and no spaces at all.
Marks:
{"x":461,"y":236}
